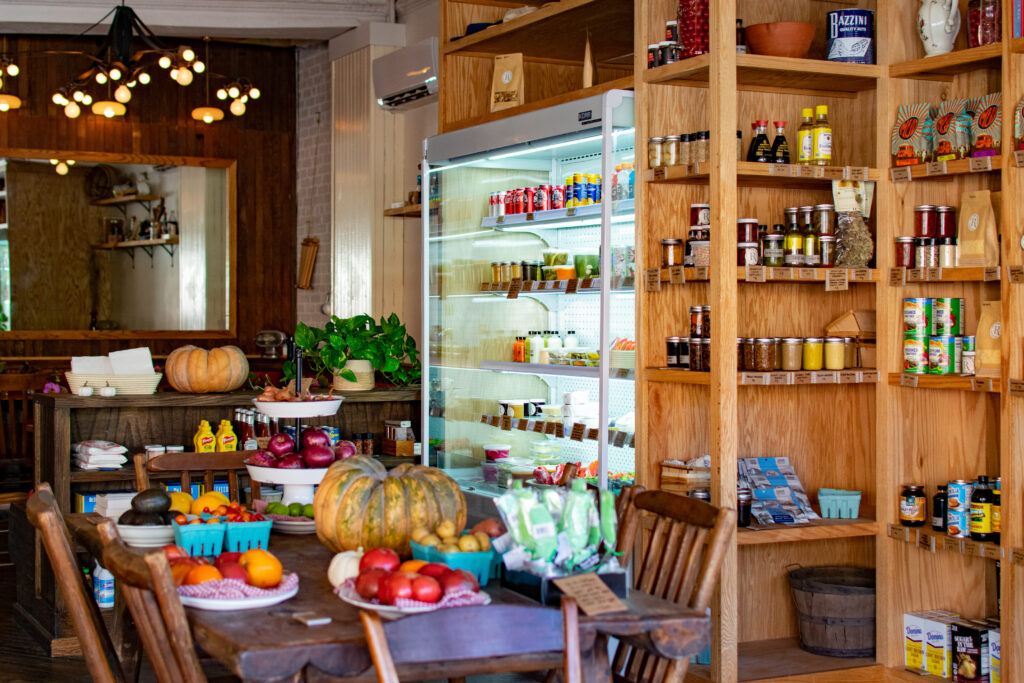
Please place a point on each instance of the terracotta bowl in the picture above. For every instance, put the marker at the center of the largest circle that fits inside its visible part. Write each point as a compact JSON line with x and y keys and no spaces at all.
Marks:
{"x":781,"y":38}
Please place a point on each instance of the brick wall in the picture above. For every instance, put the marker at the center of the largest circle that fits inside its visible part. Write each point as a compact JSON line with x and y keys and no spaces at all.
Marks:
{"x":313,"y":175}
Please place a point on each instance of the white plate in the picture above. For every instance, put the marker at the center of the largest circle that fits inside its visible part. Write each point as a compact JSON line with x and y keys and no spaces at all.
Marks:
{"x":146,"y":536}
{"x":242,"y":603}
{"x":273,"y":475}
{"x":298,"y":409}
{"x":390,"y":612}
{"x":295,"y":527}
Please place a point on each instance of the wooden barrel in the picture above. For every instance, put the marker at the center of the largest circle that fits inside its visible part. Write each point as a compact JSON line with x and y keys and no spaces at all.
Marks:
{"x":835,"y":609}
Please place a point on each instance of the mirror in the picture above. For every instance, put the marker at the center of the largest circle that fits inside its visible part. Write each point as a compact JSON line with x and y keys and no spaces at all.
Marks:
{"x":97,"y":246}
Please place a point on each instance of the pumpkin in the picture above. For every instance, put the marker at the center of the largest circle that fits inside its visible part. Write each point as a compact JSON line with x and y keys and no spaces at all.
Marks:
{"x":361,"y":504}
{"x":192,"y":370}
{"x":344,"y":566}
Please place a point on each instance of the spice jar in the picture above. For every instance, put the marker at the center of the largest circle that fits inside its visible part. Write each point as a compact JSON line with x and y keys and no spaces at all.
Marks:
{"x":696,"y":321}
{"x":739,"y":146}
{"x":670,"y":151}
{"x":674,"y":352}
{"x":653,"y":56}
{"x":967,"y":359}
{"x":925,"y":252}
{"x":772,"y":253}
{"x":705,"y":354}
{"x":739,"y":353}
{"x":705,"y":312}
{"x":671,"y":252}
{"x":824,"y":218}
{"x":748,"y":353}
{"x":835,"y":353}
{"x":672,"y":31}
{"x":764,"y":354}
{"x":700,"y":214}
{"x":913,"y":504}
{"x":701,"y":250}
{"x":747,"y":254}
{"x":777,"y":342}
{"x":495,"y":272}
{"x":684,"y":149}
{"x":654,"y":152}
{"x":905,"y":252}
{"x":702,"y":147}
{"x":925,"y":221}
{"x":743,"y":504}
{"x":850,"y":352}
{"x":828,"y":251}
{"x":792,"y":353}
{"x":695,"y":354}
{"x":813,"y":353}
{"x":517,"y":271}
{"x":506,"y":271}
{"x":945,"y":221}
{"x":746,"y":230}
{"x":535,"y":270}
{"x":947,"y":252}
{"x":667,"y":52}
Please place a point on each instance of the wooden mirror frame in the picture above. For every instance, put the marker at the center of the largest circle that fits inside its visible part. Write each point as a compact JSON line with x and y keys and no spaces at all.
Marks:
{"x":155,"y":159}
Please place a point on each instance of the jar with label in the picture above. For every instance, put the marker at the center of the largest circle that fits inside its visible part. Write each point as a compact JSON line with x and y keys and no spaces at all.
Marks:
{"x":792,"y":353}
{"x":772,"y":253}
{"x":926,"y":252}
{"x":506,"y":271}
{"x":905,"y":250}
{"x":824,"y":218}
{"x":981,"y":511}
{"x":705,"y":312}
{"x":654,"y":152}
{"x":495,"y":272}
{"x":746,"y":230}
{"x":764,"y":354}
{"x":674,"y":352}
{"x":835,"y":353}
{"x":702,"y":147}
{"x":684,"y":149}
{"x":967,"y":359}
{"x":700,"y":214}
{"x":945,"y":221}
{"x":997,"y":510}
{"x":925,"y":221}
{"x":653,"y":56}
{"x":939,"y":509}
{"x":792,"y":220}
{"x":748,"y":353}
{"x":701,"y":252}
{"x":696,"y":321}
{"x":668,"y":52}
{"x":913,"y":503}
{"x":806,"y":216}
{"x":828,"y":251}
{"x":778,"y":353}
{"x":671,"y":252}
{"x":517,"y":271}
{"x":850,"y":352}
{"x":747,"y":254}
{"x":813,"y":353}
{"x":695,"y":354}
{"x":705,"y":354}
{"x":744,"y":501}
{"x":670,"y":151}
{"x":739,"y":353}
{"x":793,"y":247}
{"x":947,"y":252}
{"x":812,"y":250}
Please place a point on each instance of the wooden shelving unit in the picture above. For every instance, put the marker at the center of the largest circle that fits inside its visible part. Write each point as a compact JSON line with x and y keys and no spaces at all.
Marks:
{"x":952,"y":382}
{"x":768,"y":379}
{"x":407,"y":211}
{"x":126,"y":199}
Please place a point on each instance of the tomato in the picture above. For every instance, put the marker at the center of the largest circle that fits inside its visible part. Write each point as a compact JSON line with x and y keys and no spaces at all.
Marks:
{"x":396,"y":585}
{"x":380,"y":558}
{"x":180,"y":519}
{"x":434,"y":570}
{"x":426,"y":589}
{"x":459,"y":580}
{"x":221,"y":510}
{"x":173,"y":552}
{"x":368,"y":582}
{"x":234,"y":518}
{"x":225,"y":558}
{"x":213,"y":520}
{"x":196,"y":521}
{"x":257,"y":517}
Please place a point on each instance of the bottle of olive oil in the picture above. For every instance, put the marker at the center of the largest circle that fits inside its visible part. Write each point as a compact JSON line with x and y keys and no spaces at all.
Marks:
{"x":822,"y":134}
{"x":780,"y":146}
{"x":804,"y":137}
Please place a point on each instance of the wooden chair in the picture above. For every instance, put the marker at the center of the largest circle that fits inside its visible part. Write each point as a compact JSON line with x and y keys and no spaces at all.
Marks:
{"x":681,"y":563}
{"x":189,"y":464}
{"x":441,"y":642}
{"x":100,"y":656}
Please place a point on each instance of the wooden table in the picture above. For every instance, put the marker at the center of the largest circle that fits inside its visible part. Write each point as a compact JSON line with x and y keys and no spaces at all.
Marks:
{"x":267,"y":644}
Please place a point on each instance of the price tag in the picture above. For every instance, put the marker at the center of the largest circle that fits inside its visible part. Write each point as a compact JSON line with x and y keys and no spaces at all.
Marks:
{"x":529,"y":215}
{"x":860,"y":275}
{"x":837,"y":280}
{"x":522,"y":425}
{"x":916,"y":274}
{"x":951,"y":544}
{"x":1017,"y":386}
{"x":570,"y":212}
{"x":933,"y":274}
{"x":1018,"y":556}
{"x":806,"y":274}
{"x":528,"y":285}
{"x":780,"y":378}
{"x":505,"y":286}
{"x":513,"y":289}
{"x":577,"y":432}
{"x":652,"y":279}
{"x":538,"y":426}
{"x":969,"y":548}
{"x":780,"y":273}
{"x":925,"y":540}
{"x":591,"y":593}
{"x":809,"y":171}
{"x":991,"y":551}
{"x":701,"y":273}
{"x":484,"y":419}
{"x":991,"y":274}
{"x":855,"y":173}
{"x":824,"y":377}
{"x":900,"y":533}
{"x":493,"y":420}
{"x":1018,"y":158}
{"x":499,"y":220}
{"x":485,"y":286}
{"x":834,"y":172}
{"x":935,"y":168}
{"x":619,"y":439}
{"x":900,"y":175}
{"x":592,"y":434}
{"x":1016,"y":274}
{"x":754,"y":378}
{"x":549,"y":427}
{"x":506,"y":423}
{"x":908,"y":381}
{"x":587,"y":283}
{"x":755,"y":274}
{"x":658,"y":174}
{"x":849,"y":377}
{"x":979,"y":164}
{"x":780,"y":169}
{"x":981,"y":384}
{"x":676,"y":275}
{"x":801,"y":377}
{"x":897,"y":277}
{"x":559,"y":430}
{"x":632,"y":441}
{"x":572,"y":285}
{"x":794,"y":171}
{"x":869,"y":376}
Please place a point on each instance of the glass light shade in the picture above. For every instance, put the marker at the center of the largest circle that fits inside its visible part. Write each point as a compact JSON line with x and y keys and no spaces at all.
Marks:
{"x":12,"y":69}
{"x":87,"y":99}
{"x":8,"y":102}
{"x":207,"y":114}
{"x":233,"y":91}
{"x":199,"y":67}
{"x":62,"y":168}
{"x":144,"y":78}
{"x":115,"y":74}
{"x":164,"y":62}
{"x":184,"y":76}
{"x":237,"y":107}
{"x":72,"y":110}
{"x":101,"y":77}
{"x":109,"y":109}
{"x":70,"y":162}
{"x":254,"y":93}
{"x":54,"y":162}
{"x":122,"y":94}
{"x":174,"y":73}
{"x":77,"y":96}
{"x":187,"y":54}
{"x":222,"y":94}
{"x":58,"y":99}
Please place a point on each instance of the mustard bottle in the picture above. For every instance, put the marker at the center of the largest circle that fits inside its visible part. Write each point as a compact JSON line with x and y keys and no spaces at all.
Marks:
{"x":226,"y":439}
{"x":204,"y":440}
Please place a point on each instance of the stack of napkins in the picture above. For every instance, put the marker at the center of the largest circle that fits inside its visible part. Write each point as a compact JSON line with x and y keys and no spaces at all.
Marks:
{"x":128,"y":362}
{"x":99,"y":455}
{"x":113,"y":505}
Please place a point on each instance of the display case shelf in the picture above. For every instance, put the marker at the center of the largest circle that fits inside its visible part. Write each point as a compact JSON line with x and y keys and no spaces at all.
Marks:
{"x":587,"y":285}
{"x":936,"y":541}
{"x":943,"y":169}
{"x":557,"y":219}
{"x":944,"y":67}
{"x":816,"y":530}
{"x":555,"y":370}
{"x":577,"y":432}
{"x":953,"y":382}
{"x":806,"y":275}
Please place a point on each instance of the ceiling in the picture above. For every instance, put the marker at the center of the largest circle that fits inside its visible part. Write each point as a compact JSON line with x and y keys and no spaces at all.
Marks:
{"x":288,"y":20}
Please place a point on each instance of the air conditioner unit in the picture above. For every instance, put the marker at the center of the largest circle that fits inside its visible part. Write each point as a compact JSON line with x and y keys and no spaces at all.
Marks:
{"x":407,"y":78}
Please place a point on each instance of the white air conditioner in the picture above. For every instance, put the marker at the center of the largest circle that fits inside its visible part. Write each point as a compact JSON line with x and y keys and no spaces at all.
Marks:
{"x":407,"y":78}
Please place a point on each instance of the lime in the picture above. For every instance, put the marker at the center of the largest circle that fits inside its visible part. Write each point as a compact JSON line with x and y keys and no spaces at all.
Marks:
{"x":307,"y":510}
{"x":295,"y":509}
{"x":276,"y":508}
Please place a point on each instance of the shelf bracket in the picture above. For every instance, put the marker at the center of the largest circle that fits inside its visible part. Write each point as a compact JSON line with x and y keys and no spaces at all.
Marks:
{"x":169,"y":248}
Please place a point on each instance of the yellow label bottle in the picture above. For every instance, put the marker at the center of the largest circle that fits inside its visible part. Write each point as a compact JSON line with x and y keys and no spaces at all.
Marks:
{"x":204,"y":440}
{"x":805,"y":137}
{"x":822,"y":135}
{"x":226,"y":439}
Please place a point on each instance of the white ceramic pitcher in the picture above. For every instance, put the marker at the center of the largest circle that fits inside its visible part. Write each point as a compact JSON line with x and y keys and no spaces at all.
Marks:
{"x":938,"y":22}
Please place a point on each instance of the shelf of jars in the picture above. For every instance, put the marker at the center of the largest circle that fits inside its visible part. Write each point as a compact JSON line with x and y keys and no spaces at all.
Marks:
{"x":758,"y":274}
{"x":899,"y":277}
{"x":576,"y":432}
{"x":555,"y":370}
{"x":950,"y":64}
{"x":752,"y":173}
{"x":939,"y":169}
{"x":584,"y":285}
{"x":950,"y":382}
{"x":555,"y":219}
{"x":938,"y":541}
{"x":775,"y":379}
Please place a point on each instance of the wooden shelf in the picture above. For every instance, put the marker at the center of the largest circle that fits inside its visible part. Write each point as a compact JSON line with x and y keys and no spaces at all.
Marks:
{"x":777,"y":658}
{"x":953,"y":382}
{"x":805,"y":275}
{"x":944,"y":67}
{"x":753,"y":174}
{"x":816,"y":530}
{"x":948,"y":168}
{"x":936,"y":541}
{"x":173,"y":399}
{"x":125,"y":474}
{"x":761,"y":72}
{"x":407,"y":211}
{"x":134,"y":244}
{"x":908,"y":276}
{"x":558,"y":31}
{"x":775,"y":379}
{"x":557,"y":429}
{"x":677,"y":376}
{"x":126,"y":199}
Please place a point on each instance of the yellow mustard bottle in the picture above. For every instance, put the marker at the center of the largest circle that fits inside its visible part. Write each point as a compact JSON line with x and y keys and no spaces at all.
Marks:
{"x":226,"y":439}
{"x":204,"y":440}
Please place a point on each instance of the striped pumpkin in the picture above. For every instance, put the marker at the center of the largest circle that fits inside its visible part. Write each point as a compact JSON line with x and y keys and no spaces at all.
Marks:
{"x":361,"y":504}
{"x":192,"y":370}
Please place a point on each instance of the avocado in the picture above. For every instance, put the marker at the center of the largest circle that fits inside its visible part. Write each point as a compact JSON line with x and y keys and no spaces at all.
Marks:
{"x":152,"y":500}
{"x":128,"y":518}
{"x":149,"y":519}
{"x":168,"y":516}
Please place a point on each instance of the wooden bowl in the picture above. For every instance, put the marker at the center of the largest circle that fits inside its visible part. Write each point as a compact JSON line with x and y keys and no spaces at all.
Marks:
{"x":781,"y":38}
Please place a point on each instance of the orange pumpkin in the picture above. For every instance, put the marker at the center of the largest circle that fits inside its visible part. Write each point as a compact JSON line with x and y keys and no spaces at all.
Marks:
{"x":192,"y":370}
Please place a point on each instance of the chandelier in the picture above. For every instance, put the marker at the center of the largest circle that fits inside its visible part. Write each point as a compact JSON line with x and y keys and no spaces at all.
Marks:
{"x":8,"y":69}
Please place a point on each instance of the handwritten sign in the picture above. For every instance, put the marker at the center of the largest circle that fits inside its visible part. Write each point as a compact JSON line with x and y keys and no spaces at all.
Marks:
{"x":925,"y":540}
{"x":869,"y":376}
{"x":860,"y":274}
{"x":522,"y":425}
{"x":528,"y":285}
{"x":658,"y":174}
{"x":570,"y":212}
{"x":935,"y":168}
{"x":900,"y":175}
{"x":538,"y":426}
{"x":559,"y":430}
{"x":1018,"y":556}
{"x":652,"y":279}
{"x":577,"y":432}
{"x":529,"y":215}
{"x":513,"y":288}
{"x":780,"y":378}
{"x":837,"y":280}
{"x":916,"y":275}
{"x":900,"y":533}
{"x":493,"y":420}
{"x":1017,"y":386}
{"x":908,"y":381}
{"x":1016,"y":274}
{"x":810,"y":171}
{"x":980,"y":164}
{"x":981,"y":384}
{"x":484,"y":419}
{"x":991,"y":274}
{"x":807,"y":274}
{"x":1018,"y":158}
{"x":587,"y":283}
{"x":506,"y":423}
{"x":991,"y":551}
{"x":781,"y":273}
{"x":933,"y":274}
{"x":849,"y":377}
{"x":701,"y":273}
{"x":951,"y":544}
{"x":801,"y":378}
{"x":676,"y":275}
{"x":824,"y":377}
{"x":855,"y":173}
{"x":754,"y":378}
{"x":834,"y":173}
{"x":780,"y":169}
{"x":572,"y":285}
{"x":897,"y":277}
{"x":591,"y":594}
{"x":549,"y":427}
{"x":619,"y":439}
{"x":592,"y":434}
{"x":755,"y":274}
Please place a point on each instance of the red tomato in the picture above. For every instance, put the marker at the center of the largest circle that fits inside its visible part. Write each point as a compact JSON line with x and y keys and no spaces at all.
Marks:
{"x":172,"y":551}
{"x":434,"y":570}
{"x":233,"y":570}
{"x":226,"y":558}
{"x":396,"y":585}
{"x":426,"y":589}
{"x":380,"y":558}
{"x":368,"y":582}
{"x":458,"y":580}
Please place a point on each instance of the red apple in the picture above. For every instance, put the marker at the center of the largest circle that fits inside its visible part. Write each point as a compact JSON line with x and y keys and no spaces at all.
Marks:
{"x":459,"y":580}
{"x":226,"y":558}
{"x":368,"y":582}
{"x":233,"y":570}
{"x":380,"y":558}
{"x":173,"y":552}
{"x":396,"y":585}
{"x":426,"y":589}
{"x":434,"y":570}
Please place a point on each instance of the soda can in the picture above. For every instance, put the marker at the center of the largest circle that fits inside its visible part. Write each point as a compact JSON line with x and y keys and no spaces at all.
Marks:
{"x":968,"y":342}
{"x":492,"y":206}
{"x":542,"y":198}
{"x":958,"y":523}
{"x":567,"y":194}
{"x":499,"y":204}
{"x":510,"y":199}
{"x":944,"y":355}
{"x":517,"y":200}
{"x":947,"y":314}
{"x":594,"y":189}
{"x":958,"y":495}
{"x":290,"y":431}
{"x":579,"y":189}
{"x":557,"y":196}
{"x":528,"y":196}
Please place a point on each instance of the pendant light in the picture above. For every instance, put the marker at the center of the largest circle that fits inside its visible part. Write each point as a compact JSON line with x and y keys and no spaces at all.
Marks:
{"x":206,"y":113}
{"x":8,"y":69}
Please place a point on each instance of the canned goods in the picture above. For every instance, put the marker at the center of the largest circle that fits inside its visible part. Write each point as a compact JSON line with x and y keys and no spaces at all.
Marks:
{"x":557,"y":196}
{"x":915,"y":355}
{"x":958,"y":494}
{"x":333,"y":433}
{"x":851,"y":36}
{"x":499,"y":203}
{"x":528,"y":196}
{"x":958,"y":523}
{"x":510,"y":202}
{"x":579,"y":189}
{"x":542,"y":198}
{"x":968,"y":342}
{"x":944,"y":355}
{"x":917,"y":316}
{"x":567,"y":194}
{"x":518,"y":200}
{"x":947,"y":313}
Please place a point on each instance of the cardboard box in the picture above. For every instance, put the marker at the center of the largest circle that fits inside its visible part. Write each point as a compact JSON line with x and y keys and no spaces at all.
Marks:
{"x":862,"y":326}
{"x":85,"y":502}
{"x":995,"y":656}
{"x":938,"y":645}
{"x":970,"y":651}
{"x":913,"y":642}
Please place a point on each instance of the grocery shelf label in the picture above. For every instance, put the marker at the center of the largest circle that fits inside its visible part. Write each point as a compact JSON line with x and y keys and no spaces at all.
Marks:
{"x":529,"y":215}
{"x":513,"y":289}
{"x":484,"y":419}
{"x":592,"y":434}
{"x":701,"y":273}
{"x":969,"y":548}
{"x":780,"y":169}
{"x":900,"y":533}
{"x":979,"y":164}
{"x":1018,"y":157}
{"x":810,"y":171}
{"x":676,"y":275}
{"x":506,"y":423}
{"x":835,"y":172}
{"x":570,"y":212}
{"x":620,"y":439}
{"x":652,"y":279}
{"x":485,"y":286}
{"x":587,"y":283}
{"x":935,"y":168}
{"x":527,"y":285}
{"x":952,"y":544}
{"x":860,"y":274}
{"x":855,"y":173}
{"x":780,"y":378}
{"x":1018,"y":556}
{"x":900,"y":175}
{"x":869,"y":376}
{"x":754,"y":378}
{"x":493,"y":420}
{"x":807,"y":274}
{"x":933,"y":274}
{"x":658,"y":174}
{"x":522,"y":425}
{"x":981,"y":384}
{"x":925,"y":540}
{"x":755,"y":274}
{"x":549,"y":427}
{"x":991,"y":551}
{"x":577,"y":432}
{"x":991,"y":274}
{"x":837,"y":280}
{"x":907,"y":380}
{"x":542,"y":285}
{"x":916,"y":275}
{"x":1017,"y":386}
{"x":780,"y":273}
{"x":538,"y":426}
{"x":572,"y":285}
{"x":897,"y":277}
{"x":499,"y":220}
{"x":824,"y":377}
{"x":849,"y":377}
{"x":802,"y":377}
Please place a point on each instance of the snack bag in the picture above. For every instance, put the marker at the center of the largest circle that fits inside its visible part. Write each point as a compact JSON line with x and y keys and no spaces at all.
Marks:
{"x":977,"y":231}
{"x":536,"y":526}
{"x":986,"y":131}
{"x":909,"y":141}
{"x":951,"y":139}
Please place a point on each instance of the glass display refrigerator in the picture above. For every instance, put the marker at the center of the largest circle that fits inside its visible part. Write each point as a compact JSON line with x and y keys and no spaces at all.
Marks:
{"x":529,"y":301}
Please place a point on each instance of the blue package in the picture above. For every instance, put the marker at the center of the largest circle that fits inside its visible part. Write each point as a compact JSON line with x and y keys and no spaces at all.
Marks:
{"x":851,"y":36}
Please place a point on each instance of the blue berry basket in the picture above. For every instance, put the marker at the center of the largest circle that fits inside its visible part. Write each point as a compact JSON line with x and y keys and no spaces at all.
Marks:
{"x":242,"y":536}
{"x":839,"y":504}
{"x":200,"y":540}
{"x":482,"y":564}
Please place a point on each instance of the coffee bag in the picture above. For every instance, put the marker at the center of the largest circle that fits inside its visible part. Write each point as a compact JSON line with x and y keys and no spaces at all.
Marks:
{"x":986,"y":131}
{"x":910,"y":143}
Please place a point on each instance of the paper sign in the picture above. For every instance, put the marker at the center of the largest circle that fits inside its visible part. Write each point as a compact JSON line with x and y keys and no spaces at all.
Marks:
{"x":652,"y":279}
{"x":577,"y":432}
{"x":898,"y":532}
{"x":897,"y":277}
{"x":620,"y":438}
{"x":700,"y":273}
{"x":484,"y":419}
{"x":513,"y":289}
{"x":559,"y":430}
{"x":810,"y":171}
{"x":979,"y":164}
{"x":781,"y":273}
{"x":991,"y":551}
{"x":780,"y":378}
{"x":549,"y":427}
{"x":485,"y":286}
{"x":1018,"y":158}
{"x":1018,"y":556}
{"x":925,"y":540}
{"x":493,"y":420}
{"x":837,"y":280}
{"x":807,"y":274}
{"x":855,"y":173}
{"x":676,"y":275}
{"x":592,"y":434}
{"x":570,"y":212}
{"x":527,"y":285}
{"x":505,"y":286}
{"x":951,"y":544}
{"x":933,"y":274}
{"x":869,"y":376}
{"x":835,"y":173}
{"x":849,"y":377}
{"x":900,"y":175}
{"x":1017,"y":386}
{"x":506,"y":422}
{"x":825,"y":377}
{"x":538,"y":427}
{"x":542,"y":285}
{"x":991,"y":274}
{"x":1016,"y":274}
{"x":500,"y":220}
{"x":801,"y":378}
{"x":529,"y":215}
{"x":860,"y":275}
{"x":916,"y":275}
{"x":131,"y":361}
{"x":587,"y":283}
{"x":754,"y":378}
{"x":908,"y":381}
{"x":590,"y":593}
{"x":969,"y":548}
{"x":935,"y":168}
{"x":780,"y":169}
{"x":572,"y":285}
{"x":659,"y":174}
{"x":755,"y":273}
{"x":522,"y":425}
{"x":981,"y":384}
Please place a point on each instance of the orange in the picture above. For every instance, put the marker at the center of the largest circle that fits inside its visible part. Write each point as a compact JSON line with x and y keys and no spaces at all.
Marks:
{"x":202,"y":574}
{"x":264,"y":569}
{"x":412,"y":566}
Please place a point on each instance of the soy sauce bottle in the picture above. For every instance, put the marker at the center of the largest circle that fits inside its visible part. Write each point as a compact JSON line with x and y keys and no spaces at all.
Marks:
{"x":780,"y":146}
{"x":939,"y":509}
{"x":760,"y":148}
{"x":981,"y":511}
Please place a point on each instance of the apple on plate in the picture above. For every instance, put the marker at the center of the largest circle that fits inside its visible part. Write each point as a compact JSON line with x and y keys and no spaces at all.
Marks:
{"x":228,"y":557}
{"x":426,"y":589}
{"x":380,"y":558}
{"x":368,"y":582}
{"x":396,"y":585}
{"x":434,"y":570}
{"x":233,"y":570}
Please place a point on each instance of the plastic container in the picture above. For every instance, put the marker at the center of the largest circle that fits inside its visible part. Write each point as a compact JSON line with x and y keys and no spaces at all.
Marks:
{"x":483,"y":564}
{"x":496,"y":451}
{"x":839,"y":504}
{"x":549,"y":272}
{"x":587,"y":263}
{"x":565,"y":272}
{"x":242,"y":536}
{"x":200,"y":540}
{"x":555,"y":257}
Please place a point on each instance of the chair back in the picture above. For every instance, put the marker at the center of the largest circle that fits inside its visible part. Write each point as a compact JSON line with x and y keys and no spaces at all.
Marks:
{"x":191,"y":464}
{"x":16,"y":394}
{"x":148,"y":588}
{"x":680,"y":561}
{"x":97,"y":646}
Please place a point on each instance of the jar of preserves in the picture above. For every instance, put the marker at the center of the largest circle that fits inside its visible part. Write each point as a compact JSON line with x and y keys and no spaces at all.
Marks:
{"x":778,"y":352}
{"x":925,"y":221}
{"x":850,"y":352}
{"x":696,"y":321}
{"x":739,"y":353}
{"x":746,"y":230}
{"x":654,"y":152}
{"x":945,"y":221}
{"x":705,"y":354}
{"x":495,"y":272}
{"x":671,"y":252}
{"x":812,"y":250}
{"x":764,"y":354}
{"x":835,"y":353}
{"x":984,"y":22}
{"x":813,"y":353}
{"x":695,"y":354}
{"x":670,"y":150}
{"x":772,"y":253}
{"x":694,"y":19}
{"x":653,"y":56}
{"x":913,"y":504}
{"x":700,"y":214}
{"x":517,"y":270}
{"x":791,"y":219}
{"x":947,"y":252}
{"x":792,"y":353}
{"x":705,"y":312}
{"x":905,"y":250}
{"x":828,"y":251}
{"x":748,"y":353}
{"x":747,"y":254}
{"x":674,"y":352}
{"x":506,"y":271}
{"x":824,"y":218}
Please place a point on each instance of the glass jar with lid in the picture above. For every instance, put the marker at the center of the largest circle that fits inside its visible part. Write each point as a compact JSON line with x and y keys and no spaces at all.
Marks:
{"x":812,"y":250}
{"x":772,"y":253}
{"x":947,"y":252}
{"x":654,"y":152}
{"x":696,"y":321}
{"x":670,"y":150}
{"x":705,"y":354}
{"x":813,"y":353}
{"x":828,"y":250}
{"x":926,"y":221}
{"x":746,"y":230}
{"x":764,"y":354}
{"x":506,"y":271}
{"x":824,"y":218}
{"x":671,"y":252}
{"x":905,"y":252}
{"x":850,"y":352}
{"x":747,"y":254}
{"x":792,"y":220}
{"x":684,"y":149}
{"x":806,"y":214}
{"x":835,"y":353}
{"x":945,"y":222}
{"x":792,"y":353}
{"x":739,"y":353}
{"x":705,"y":312}
{"x":793,"y":246}
{"x":695,"y":354}
{"x":495,"y":272}
{"x":748,"y":353}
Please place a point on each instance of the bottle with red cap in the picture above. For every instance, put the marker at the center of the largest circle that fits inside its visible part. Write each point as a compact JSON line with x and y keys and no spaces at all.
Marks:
{"x":780,"y":146}
{"x":760,"y":148}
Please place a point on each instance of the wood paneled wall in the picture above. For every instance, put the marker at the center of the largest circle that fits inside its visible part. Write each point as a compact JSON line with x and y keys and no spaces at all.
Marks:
{"x":159,"y":124}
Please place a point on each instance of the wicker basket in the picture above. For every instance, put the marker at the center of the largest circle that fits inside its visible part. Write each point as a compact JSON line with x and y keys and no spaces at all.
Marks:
{"x":131,"y":385}
{"x":364,"y":372}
